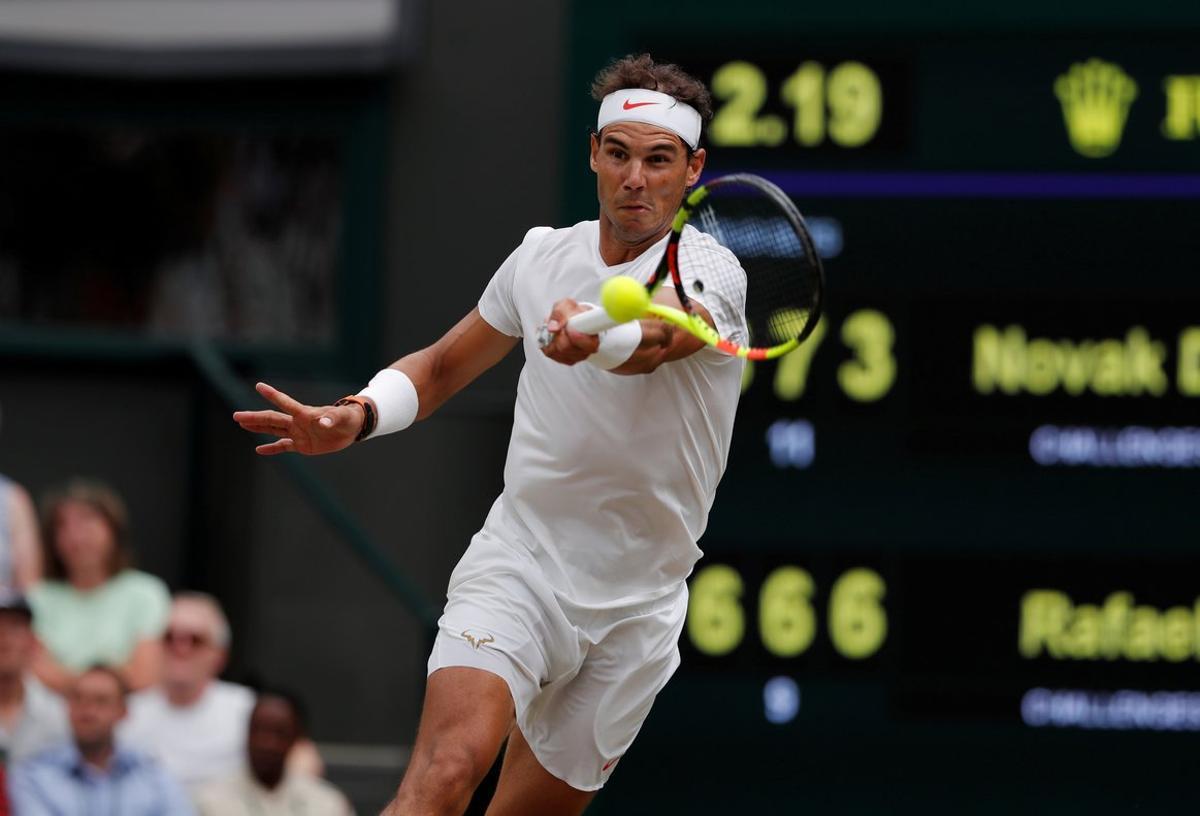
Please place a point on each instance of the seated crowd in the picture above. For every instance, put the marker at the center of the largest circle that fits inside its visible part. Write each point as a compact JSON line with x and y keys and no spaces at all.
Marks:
{"x":110,"y":693}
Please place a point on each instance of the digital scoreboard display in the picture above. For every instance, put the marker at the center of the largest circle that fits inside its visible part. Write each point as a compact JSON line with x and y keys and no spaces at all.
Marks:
{"x":956,"y":550}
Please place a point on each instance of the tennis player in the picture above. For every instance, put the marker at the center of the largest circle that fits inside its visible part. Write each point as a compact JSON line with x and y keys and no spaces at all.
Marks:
{"x":564,"y":614}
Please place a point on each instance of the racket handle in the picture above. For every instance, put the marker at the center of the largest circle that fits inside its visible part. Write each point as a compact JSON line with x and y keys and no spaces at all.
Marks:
{"x":593,"y":321}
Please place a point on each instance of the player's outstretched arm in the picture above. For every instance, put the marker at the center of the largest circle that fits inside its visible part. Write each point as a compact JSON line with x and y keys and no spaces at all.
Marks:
{"x":437,"y":373}
{"x":440,"y":371}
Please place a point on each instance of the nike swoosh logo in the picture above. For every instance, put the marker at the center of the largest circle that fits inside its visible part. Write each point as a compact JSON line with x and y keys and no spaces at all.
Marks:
{"x":631,"y":105}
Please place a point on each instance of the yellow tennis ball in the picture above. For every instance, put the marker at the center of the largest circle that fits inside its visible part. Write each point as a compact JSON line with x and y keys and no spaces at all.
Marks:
{"x":624,"y":298}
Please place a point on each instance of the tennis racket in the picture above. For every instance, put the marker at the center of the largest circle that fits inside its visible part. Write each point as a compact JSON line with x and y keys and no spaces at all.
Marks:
{"x":784,"y":281}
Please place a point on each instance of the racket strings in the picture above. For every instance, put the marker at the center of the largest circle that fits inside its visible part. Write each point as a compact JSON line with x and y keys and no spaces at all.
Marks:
{"x":712,"y":274}
{"x":782,"y":273}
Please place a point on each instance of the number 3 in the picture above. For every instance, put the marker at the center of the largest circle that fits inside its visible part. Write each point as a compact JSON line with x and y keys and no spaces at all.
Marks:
{"x":869,"y":376}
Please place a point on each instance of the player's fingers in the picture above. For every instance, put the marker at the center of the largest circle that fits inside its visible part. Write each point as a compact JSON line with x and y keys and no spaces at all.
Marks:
{"x":278,"y":446}
{"x":559,"y":313}
{"x":262,"y":428}
{"x":561,"y":352}
{"x":279,"y":399}
{"x":275,"y":418}
{"x":264,"y":422}
{"x":587,"y":343}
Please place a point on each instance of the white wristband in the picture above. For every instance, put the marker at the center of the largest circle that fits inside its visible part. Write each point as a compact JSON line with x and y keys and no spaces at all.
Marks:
{"x":617,"y":345}
{"x":395,"y":399}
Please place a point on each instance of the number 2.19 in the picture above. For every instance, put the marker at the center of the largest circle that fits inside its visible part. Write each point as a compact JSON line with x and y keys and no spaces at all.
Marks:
{"x":843,"y":103}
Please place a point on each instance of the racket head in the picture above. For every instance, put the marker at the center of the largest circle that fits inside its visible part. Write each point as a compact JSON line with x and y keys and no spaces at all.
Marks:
{"x":784,"y":279}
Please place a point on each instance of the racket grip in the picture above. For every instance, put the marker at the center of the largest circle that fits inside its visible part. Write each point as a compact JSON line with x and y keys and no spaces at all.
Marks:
{"x":593,"y":321}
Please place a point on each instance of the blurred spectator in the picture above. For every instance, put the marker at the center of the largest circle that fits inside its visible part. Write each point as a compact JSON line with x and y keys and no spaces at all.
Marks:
{"x":93,"y":608}
{"x":92,"y":774}
{"x":20,"y":550}
{"x":32,"y":718}
{"x":192,"y":722}
{"x":266,"y":788}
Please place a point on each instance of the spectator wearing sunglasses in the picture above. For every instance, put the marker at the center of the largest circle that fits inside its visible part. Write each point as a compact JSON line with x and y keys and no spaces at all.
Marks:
{"x":192,"y":721}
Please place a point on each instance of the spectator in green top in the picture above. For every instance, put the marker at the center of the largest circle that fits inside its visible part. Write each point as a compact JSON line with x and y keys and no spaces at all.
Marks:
{"x":94,"y":608}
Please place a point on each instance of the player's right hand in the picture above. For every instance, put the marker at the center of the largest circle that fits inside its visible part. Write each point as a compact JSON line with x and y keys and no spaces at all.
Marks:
{"x":301,"y":428}
{"x":568,"y":346}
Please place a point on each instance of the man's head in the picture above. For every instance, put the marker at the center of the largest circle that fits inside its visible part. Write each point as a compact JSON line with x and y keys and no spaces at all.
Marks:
{"x":276,"y":723}
{"x":195,"y":646}
{"x":96,"y":703}
{"x":646,"y":149}
{"x":17,"y":642}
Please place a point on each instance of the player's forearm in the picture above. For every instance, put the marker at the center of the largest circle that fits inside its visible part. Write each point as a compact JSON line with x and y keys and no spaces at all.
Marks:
{"x":661,"y":343}
{"x":428,"y":377}
{"x":440,"y":371}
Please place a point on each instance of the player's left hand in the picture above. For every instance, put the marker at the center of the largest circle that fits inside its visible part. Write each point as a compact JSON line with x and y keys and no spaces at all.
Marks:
{"x":301,"y":428}
{"x":568,"y":346}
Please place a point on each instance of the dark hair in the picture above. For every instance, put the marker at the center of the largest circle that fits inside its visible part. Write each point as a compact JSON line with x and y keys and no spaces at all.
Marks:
{"x":299,"y":710}
{"x":100,"y":668}
{"x":641,"y":71}
{"x":105,"y":501}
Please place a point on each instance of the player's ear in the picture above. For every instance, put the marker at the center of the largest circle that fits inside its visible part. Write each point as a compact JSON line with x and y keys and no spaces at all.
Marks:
{"x":595,"y":148}
{"x":695,"y":166}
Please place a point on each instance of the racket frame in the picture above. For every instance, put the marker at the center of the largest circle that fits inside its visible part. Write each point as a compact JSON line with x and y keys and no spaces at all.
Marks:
{"x":696,"y":324}
{"x":596,"y":320}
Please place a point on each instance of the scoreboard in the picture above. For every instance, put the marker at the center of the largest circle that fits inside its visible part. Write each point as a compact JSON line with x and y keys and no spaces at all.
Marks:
{"x":954,"y":563}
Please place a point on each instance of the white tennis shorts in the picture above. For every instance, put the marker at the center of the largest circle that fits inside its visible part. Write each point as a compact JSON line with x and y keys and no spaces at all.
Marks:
{"x":582,"y":682}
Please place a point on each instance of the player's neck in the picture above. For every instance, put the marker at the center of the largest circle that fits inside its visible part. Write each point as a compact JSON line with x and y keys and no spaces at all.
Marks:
{"x":613,"y":250}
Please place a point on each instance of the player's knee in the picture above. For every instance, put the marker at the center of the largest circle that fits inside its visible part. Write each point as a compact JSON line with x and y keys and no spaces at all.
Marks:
{"x":454,"y":769}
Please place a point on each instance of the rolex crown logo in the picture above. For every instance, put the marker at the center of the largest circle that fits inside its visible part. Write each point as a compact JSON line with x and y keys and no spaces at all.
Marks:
{"x":1095,"y":97}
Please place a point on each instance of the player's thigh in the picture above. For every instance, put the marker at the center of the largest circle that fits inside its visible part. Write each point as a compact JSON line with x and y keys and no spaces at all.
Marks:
{"x":527,"y":789}
{"x":580,"y":727}
{"x":467,"y":712}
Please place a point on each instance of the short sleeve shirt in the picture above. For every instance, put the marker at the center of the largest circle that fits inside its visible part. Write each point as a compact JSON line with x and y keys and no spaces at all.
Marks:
{"x":202,"y":742}
{"x":609,"y":478}
{"x":101,"y":625}
{"x":240,"y":795}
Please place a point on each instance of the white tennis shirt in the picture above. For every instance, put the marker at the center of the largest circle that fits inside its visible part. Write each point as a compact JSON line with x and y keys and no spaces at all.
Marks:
{"x":609,"y":478}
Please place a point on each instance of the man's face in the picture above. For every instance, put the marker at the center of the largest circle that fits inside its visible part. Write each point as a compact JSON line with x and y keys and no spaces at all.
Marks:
{"x":16,"y":642}
{"x":641,"y":173}
{"x":95,"y":705}
{"x":273,"y":732}
{"x":191,"y":655}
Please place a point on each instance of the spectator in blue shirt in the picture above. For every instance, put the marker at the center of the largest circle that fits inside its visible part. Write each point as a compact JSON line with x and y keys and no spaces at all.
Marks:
{"x":93,"y":776}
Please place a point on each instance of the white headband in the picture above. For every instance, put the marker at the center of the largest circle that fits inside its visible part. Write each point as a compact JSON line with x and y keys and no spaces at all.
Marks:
{"x":652,"y":108}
